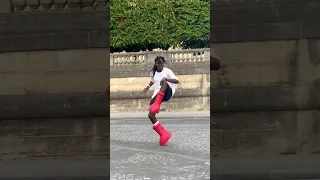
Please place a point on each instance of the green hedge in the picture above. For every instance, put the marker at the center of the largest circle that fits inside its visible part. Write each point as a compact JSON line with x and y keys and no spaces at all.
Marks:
{"x":148,"y":24}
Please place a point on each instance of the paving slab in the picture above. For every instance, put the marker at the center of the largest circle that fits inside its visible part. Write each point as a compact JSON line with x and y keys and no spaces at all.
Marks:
{"x":136,"y":154}
{"x":299,"y":166}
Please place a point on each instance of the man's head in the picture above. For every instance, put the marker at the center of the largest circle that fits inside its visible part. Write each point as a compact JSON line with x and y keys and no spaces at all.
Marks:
{"x":159,"y":62}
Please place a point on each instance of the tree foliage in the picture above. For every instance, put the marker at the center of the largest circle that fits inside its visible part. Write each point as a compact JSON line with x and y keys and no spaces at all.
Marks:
{"x":148,"y":24}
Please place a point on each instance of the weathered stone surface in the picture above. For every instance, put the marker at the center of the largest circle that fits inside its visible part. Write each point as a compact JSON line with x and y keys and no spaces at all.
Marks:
{"x":27,"y":138}
{"x":252,"y":99}
{"x":265,"y":98}
{"x":55,"y":61}
{"x":64,"y":74}
{"x":51,"y":72}
{"x":79,"y":30}
{"x":185,"y":102}
{"x":234,"y":21}
{"x":263,"y":12}
{"x":53,"y":106}
{"x":143,"y":70}
{"x":5,"y":6}
{"x":137,"y":84}
{"x":265,"y":132}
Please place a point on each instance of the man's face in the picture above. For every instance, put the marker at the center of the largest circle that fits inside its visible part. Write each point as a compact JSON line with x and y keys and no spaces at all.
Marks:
{"x":159,"y":64}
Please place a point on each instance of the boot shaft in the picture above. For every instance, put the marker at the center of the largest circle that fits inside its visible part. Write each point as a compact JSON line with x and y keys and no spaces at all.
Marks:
{"x":159,"y":129}
{"x":159,"y":98}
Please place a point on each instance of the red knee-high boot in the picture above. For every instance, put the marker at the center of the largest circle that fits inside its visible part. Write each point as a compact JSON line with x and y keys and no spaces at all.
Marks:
{"x":164,"y":134}
{"x":155,"y":107}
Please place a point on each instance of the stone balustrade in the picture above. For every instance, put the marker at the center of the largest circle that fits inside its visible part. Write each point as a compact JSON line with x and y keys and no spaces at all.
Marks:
{"x":129,"y":73}
{"x":172,"y":57}
{"x":19,"y":6}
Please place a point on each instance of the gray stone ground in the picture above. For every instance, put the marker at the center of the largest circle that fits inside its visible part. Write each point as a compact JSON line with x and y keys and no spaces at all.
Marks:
{"x":136,"y":154}
{"x":300,"y":166}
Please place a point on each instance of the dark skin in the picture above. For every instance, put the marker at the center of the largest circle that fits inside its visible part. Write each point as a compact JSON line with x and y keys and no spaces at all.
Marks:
{"x":164,"y":87}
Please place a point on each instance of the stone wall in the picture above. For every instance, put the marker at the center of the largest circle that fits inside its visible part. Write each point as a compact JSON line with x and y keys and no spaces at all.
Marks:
{"x":130,"y":75}
{"x":263,"y":20}
{"x":54,"y":70}
{"x":54,"y":59}
{"x":46,"y":84}
{"x":266,"y":95}
{"x":48,"y":138}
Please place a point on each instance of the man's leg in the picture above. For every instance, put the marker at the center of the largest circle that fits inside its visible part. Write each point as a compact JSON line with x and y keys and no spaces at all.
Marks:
{"x":155,"y":107}
{"x":164,"y":134}
{"x":152,"y":117}
{"x":158,"y":127}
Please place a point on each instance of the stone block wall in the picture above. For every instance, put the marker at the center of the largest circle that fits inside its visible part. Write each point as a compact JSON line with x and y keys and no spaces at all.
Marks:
{"x":277,"y":94}
{"x":54,"y":70}
{"x":130,"y":75}
{"x":46,"y":84}
{"x":54,"y":59}
{"x":266,"y":95}
{"x":262,"y":20}
{"x":50,"y":138}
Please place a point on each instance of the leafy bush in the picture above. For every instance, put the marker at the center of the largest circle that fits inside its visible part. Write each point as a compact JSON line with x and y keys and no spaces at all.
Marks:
{"x":147,"y":24}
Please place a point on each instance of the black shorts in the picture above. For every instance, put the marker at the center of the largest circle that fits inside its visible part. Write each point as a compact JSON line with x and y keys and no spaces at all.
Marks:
{"x":166,"y":97}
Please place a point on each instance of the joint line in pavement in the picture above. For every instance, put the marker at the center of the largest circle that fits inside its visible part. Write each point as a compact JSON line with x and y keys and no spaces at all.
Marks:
{"x":206,"y":161}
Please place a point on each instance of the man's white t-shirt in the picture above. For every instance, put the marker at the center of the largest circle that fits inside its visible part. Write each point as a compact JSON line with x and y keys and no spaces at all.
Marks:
{"x":158,"y":76}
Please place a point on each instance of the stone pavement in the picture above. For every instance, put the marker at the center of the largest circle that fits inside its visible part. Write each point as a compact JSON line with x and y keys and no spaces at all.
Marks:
{"x":136,"y":154}
{"x":300,"y":166}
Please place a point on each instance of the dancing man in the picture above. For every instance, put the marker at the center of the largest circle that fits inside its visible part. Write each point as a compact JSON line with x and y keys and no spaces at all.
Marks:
{"x":164,"y":79}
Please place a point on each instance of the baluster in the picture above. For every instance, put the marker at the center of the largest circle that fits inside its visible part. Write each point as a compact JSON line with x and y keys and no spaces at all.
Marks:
{"x":46,"y":4}
{"x":126,"y":60}
{"x":100,"y":4}
{"x":194,"y":57}
{"x":143,"y":59}
{"x":115,"y":60}
{"x":33,"y":4}
{"x":19,"y":5}
{"x":60,"y":5}
{"x":134,"y":60}
{"x":129,"y":60}
{"x":74,"y":5}
{"x":87,"y":4}
{"x":121,"y":60}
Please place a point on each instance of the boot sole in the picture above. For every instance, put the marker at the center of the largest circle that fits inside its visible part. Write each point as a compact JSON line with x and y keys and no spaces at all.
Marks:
{"x":167,"y":140}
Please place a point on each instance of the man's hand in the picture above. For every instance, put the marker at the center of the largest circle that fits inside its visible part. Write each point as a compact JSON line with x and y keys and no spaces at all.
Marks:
{"x":164,"y":79}
{"x":146,"y":89}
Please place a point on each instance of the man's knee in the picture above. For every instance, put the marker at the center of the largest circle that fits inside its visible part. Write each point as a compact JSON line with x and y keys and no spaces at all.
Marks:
{"x":164,"y":83}
{"x":151,"y":115}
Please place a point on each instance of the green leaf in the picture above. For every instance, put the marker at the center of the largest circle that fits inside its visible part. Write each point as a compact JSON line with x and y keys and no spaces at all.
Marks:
{"x":146,"y":24}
